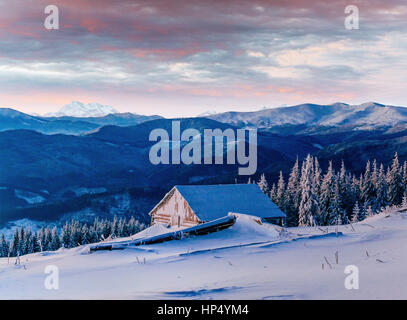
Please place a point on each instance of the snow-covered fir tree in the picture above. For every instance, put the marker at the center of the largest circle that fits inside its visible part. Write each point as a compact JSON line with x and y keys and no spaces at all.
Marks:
{"x":326,"y":194}
{"x":335,"y":212}
{"x":4,"y":246}
{"x":367,"y":191}
{"x":404,"y":202}
{"x":263,"y":185}
{"x":308,"y":211}
{"x":280,"y":196}
{"x":293,"y":196}
{"x":273,"y":193}
{"x":374,"y":173}
{"x":404,"y":175}
{"x":396,"y":188}
{"x":317,"y":177}
{"x":381,"y":190}
{"x":356,"y":213}
{"x":346,"y":191}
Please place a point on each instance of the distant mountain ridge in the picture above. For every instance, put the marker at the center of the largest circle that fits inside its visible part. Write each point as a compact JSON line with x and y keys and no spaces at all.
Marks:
{"x":82,"y":110}
{"x":300,"y":119}
{"x":364,"y":116}
{"x":11,"y":119}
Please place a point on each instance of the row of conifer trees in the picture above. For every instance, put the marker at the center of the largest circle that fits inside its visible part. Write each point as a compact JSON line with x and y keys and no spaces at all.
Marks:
{"x":313,"y":197}
{"x":72,"y":234}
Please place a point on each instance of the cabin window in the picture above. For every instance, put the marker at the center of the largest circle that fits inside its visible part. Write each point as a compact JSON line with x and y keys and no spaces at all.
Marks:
{"x":179,"y":221}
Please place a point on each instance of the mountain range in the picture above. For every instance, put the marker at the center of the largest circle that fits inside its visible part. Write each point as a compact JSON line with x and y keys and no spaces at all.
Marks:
{"x":49,"y":158}
{"x":300,"y":119}
{"x":310,"y":116}
{"x":11,"y":120}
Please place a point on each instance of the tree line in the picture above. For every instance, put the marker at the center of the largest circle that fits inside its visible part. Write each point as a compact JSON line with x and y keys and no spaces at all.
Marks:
{"x":311,"y":197}
{"x":72,"y":234}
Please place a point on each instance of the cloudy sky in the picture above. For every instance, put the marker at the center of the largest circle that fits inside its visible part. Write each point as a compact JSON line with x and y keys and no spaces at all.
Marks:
{"x":182,"y":58}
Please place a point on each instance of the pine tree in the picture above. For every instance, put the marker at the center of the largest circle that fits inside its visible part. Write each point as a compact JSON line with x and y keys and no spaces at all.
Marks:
{"x":91,"y":235}
{"x":132,"y":226}
{"x":404,"y":175}
{"x":360,"y":186}
{"x":317,"y":177}
{"x":404,"y":202}
{"x":381,"y":190}
{"x":293,"y":196}
{"x":48,"y":239}
{"x":395,"y":182}
{"x":263,"y":184}
{"x":42,"y":237}
{"x":308,"y":210}
{"x":355,"y":189}
{"x":280,"y":196}
{"x":374,"y":174}
{"x":335,"y":212}
{"x":273,"y":193}
{"x":4,"y":246}
{"x":367,"y":191}
{"x":75,"y":232}
{"x":21,"y":241}
{"x":85,"y":235}
{"x":293,"y":185}
{"x":356,"y":213}
{"x":14,"y":250}
{"x":27,"y":243}
{"x":55,"y":242}
{"x":35,"y":244}
{"x":66,"y":235}
{"x":115,"y":228}
{"x":326,"y":194}
{"x":346,"y":192}
{"x":123,"y":229}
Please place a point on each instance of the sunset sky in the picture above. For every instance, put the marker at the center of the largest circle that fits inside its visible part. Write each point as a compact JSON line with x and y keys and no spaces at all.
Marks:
{"x":182,"y":58}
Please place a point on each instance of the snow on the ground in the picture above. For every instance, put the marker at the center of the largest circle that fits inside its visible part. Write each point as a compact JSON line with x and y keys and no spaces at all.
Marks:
{"x":246,"y":261}
{"x":82,"y":191}
{"x":29,"y":197}
{"x":154,"y":230}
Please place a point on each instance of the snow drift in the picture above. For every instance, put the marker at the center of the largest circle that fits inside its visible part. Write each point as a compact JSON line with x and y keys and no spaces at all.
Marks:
{"x":246,"y":261}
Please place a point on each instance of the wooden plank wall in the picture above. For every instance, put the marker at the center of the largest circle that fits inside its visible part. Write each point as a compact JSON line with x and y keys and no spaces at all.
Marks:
{"x":173,"y":208}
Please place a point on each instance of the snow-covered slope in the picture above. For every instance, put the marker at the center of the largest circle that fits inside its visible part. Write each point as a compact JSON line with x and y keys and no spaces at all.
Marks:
{"x":79,"y":109}
{"x":337,"y":114}
{"x":29,"y":197}
{"x":246,"y":261}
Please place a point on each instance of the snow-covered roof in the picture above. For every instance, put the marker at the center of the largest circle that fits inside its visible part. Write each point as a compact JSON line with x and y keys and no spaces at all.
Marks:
{"x":214,"y":201}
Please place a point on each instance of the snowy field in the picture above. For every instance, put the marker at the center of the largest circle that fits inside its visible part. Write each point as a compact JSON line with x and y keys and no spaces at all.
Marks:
{"x":246,"y":261}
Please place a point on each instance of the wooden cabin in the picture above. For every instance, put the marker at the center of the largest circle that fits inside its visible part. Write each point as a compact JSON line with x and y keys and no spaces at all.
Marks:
{"x":190,"y":205}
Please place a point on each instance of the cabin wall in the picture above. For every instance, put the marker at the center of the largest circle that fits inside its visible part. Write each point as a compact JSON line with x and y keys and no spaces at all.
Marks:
{"x":173,"y":210}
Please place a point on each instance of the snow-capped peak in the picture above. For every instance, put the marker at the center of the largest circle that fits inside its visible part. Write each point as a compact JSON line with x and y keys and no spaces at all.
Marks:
{"x":207,"y":113}
{"x":79,"y":109}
